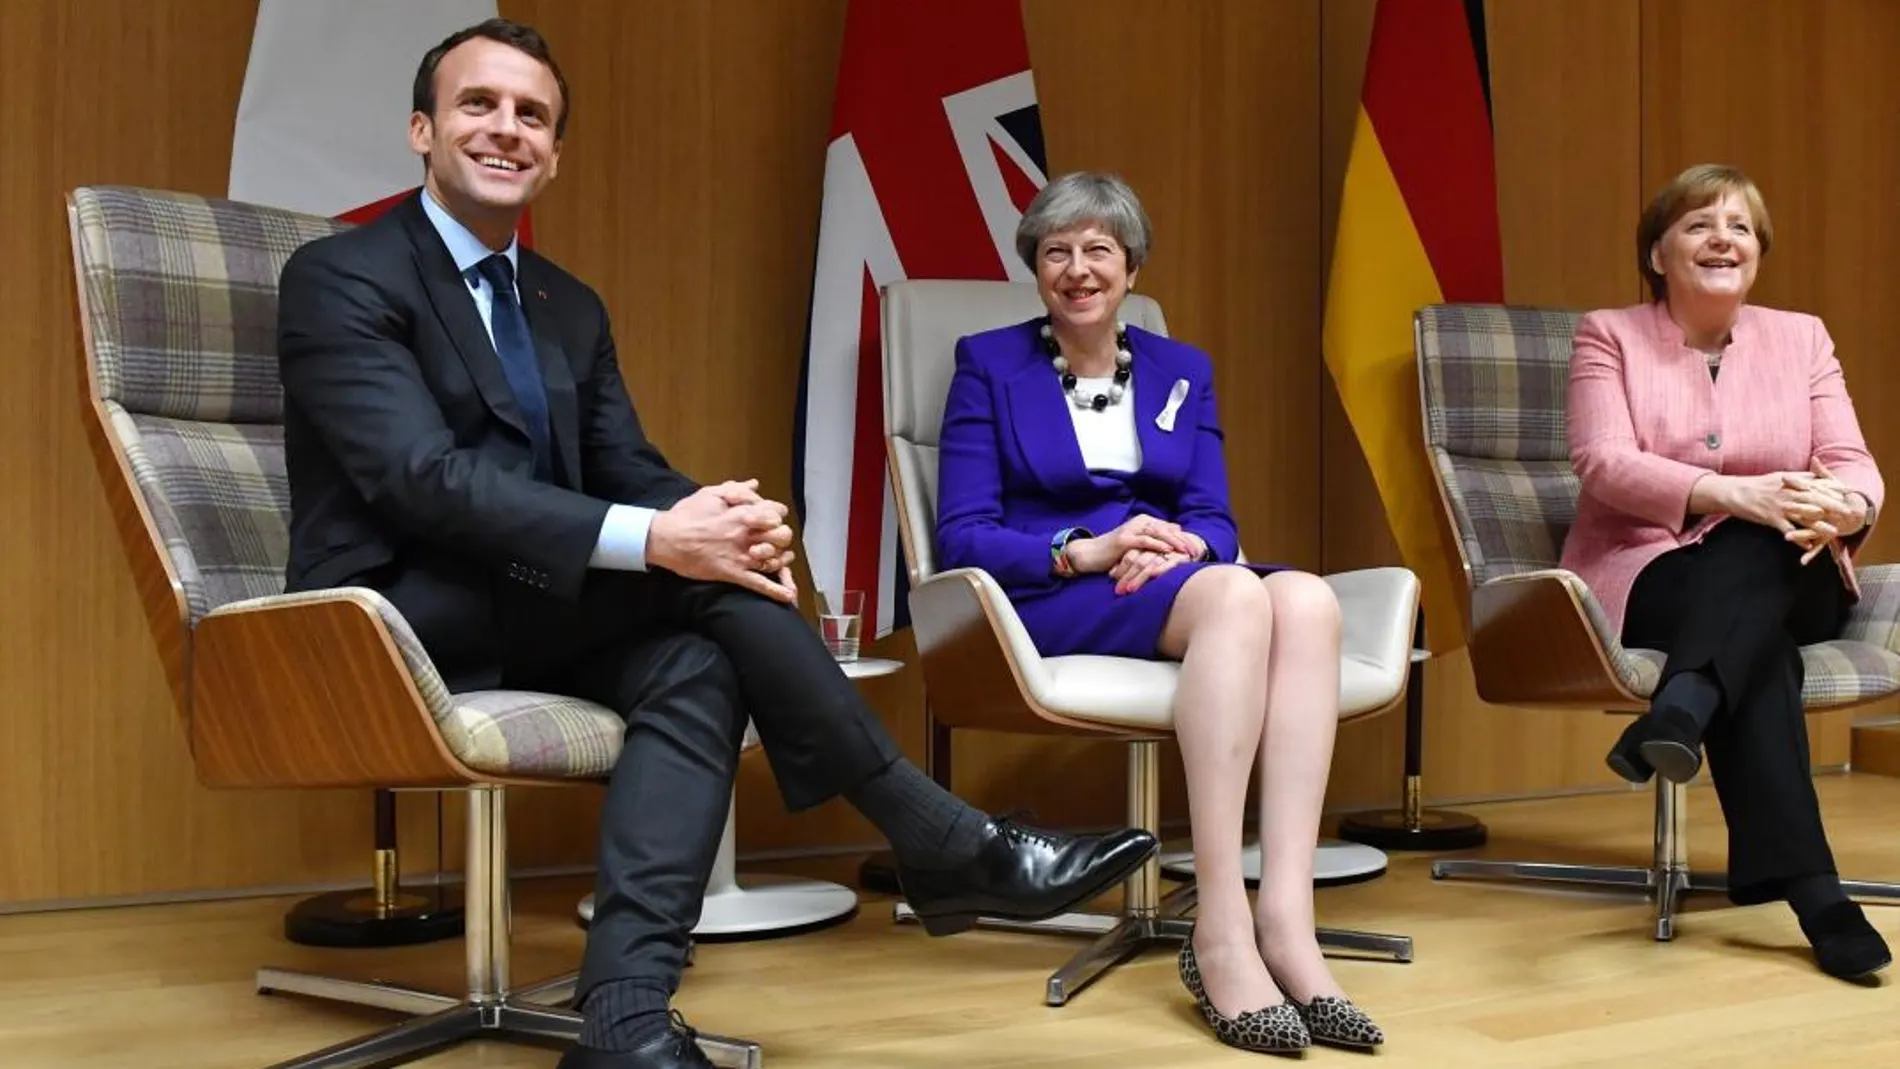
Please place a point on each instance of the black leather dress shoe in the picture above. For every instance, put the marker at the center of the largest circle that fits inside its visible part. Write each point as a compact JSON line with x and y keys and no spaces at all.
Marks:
{"x":1022,"y":873}
{"x":676,"y":1048}
{"x":1845,"y":945}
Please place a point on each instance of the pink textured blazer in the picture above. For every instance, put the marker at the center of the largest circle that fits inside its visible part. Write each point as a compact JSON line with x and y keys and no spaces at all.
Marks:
{"x":1646,"y":421}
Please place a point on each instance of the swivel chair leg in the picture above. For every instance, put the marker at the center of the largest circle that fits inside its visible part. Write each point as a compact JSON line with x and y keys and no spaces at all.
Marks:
{"x":489,"y":1010}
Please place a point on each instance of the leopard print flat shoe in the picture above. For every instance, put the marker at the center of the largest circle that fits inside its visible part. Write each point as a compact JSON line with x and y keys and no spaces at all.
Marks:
{"x":1269,"y":1030}
{"x":1336,"y":1021}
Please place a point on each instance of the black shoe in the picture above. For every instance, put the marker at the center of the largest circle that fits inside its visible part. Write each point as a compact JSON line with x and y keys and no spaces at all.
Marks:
{"x":676,"y":1048}
{"x":1663,"y":743}
{"x":1845,"y":945}
{"x":1626,"y":757}
{"x":1674,"y":746}
{"x":1022,"y":873}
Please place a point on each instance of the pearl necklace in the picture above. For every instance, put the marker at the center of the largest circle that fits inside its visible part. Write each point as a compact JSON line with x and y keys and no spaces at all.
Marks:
{"x":1123,"y":360}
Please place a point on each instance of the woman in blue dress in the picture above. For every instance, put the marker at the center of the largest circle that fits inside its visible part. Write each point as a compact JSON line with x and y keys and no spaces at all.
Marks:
{"x":1082,"y":467}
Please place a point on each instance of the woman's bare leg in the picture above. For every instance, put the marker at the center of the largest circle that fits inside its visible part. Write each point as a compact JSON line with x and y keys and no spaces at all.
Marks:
{"x":1296,"y":752}
{"x":1219,"y":629}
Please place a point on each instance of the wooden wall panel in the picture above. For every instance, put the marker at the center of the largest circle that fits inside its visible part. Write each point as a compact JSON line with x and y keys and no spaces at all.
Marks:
{"x":1564,"y":81}
{"x":96,"y":792}
{"x":1210,"y":112}
{"x":1810,"y":116}
{"x":689,"y":197}
{"x":1569,"y":109}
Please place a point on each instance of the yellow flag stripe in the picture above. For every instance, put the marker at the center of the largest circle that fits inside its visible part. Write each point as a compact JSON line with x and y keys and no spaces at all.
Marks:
{"x":1380,"y":277}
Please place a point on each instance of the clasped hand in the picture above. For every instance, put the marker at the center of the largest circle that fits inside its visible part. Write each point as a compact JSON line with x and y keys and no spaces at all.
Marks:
{"x":1135,"y":552}
{"x":730,"y":534}
{"x":1812,"y":509}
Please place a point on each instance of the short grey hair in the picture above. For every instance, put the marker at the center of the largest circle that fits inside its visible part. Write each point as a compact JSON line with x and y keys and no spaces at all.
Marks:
{"x":1081,"y":198}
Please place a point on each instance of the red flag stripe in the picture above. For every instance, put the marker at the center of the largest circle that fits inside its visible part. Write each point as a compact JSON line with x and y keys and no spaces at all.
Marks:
{"x":366,"y":212}
{"x":1022,"y":188}
{"x":899,"y":62}
{"x":1424,"y":98}
{"x":863,"y":569}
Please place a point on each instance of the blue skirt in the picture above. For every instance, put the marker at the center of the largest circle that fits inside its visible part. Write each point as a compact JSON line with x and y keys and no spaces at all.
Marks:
{"x":1085,"y":615}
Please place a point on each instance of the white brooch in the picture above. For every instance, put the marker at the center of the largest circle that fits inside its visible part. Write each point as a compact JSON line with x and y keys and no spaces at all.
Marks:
{"x":1175,"y":396}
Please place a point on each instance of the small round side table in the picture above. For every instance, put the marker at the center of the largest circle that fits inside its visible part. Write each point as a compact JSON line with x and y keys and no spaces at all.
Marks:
{"x":765,"y":906}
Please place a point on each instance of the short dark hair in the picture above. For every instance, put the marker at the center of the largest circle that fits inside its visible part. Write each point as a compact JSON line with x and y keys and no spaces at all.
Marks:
{"x":506,"y":31}
{"x":1697,"y":187}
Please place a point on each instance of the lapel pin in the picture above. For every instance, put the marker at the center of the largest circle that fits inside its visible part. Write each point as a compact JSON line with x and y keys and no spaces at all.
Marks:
{"x":543,"y":294}
{"x":1165,"y":420}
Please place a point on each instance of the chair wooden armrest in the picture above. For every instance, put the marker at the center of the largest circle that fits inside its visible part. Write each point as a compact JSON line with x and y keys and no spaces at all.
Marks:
{"x":312,"y":690}
{"x":1535,"y":641}
{"x":980,"y":666}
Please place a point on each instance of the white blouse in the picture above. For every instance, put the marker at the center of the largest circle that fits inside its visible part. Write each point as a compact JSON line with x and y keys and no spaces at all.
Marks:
{"x":1107,"y":438}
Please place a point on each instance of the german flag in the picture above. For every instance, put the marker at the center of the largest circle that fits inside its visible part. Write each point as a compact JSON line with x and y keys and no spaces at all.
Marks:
{"x":1418,"y":225}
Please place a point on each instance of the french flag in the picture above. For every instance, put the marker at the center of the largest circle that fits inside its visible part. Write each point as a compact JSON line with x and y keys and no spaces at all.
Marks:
{"x":935,"y":151}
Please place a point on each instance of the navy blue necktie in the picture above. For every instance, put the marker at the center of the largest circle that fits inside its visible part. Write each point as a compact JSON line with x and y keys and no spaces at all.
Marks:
{"x":515,"y":345}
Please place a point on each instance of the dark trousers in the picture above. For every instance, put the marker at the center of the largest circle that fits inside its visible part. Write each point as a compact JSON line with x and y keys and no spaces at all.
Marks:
{"x":1739,"y":605}
{"x":686,"y":663}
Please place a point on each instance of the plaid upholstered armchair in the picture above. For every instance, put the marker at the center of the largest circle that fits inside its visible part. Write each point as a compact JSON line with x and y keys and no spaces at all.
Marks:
{"x":1494,"y":381}
{"x":178,"y":307}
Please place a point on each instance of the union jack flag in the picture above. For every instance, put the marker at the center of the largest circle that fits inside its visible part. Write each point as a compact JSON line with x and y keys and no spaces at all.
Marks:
{"x":935,"y":151}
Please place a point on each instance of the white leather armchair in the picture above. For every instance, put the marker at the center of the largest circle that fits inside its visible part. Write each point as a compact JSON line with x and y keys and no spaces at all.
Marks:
{"x":981,"y":671}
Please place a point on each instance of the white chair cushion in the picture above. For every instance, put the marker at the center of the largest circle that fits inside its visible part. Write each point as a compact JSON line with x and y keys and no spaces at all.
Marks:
{"x":1379,"y":606}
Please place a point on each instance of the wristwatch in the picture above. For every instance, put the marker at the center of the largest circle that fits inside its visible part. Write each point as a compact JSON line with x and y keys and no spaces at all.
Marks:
{"x":1208,"y":555}
{"x":1058,"y":559}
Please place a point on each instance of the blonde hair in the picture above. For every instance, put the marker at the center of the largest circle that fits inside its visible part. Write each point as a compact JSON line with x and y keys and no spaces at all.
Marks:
{"x":1697,"y":187}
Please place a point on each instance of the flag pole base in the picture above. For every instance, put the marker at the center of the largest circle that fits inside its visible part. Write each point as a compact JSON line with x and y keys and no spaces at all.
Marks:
{"x":1388,"y":829}
{"x":1411,"y":826}
{"x":384,"y":914}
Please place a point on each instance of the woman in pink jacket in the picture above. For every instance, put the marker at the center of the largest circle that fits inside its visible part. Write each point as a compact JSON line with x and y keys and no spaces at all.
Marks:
{"x":1726,"y":487}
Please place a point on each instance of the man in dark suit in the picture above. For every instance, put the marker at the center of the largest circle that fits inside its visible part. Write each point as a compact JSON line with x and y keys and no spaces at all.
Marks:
{"x":458,"y":437}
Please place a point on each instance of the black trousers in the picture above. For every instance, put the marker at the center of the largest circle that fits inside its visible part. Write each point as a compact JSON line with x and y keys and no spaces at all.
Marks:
{"x":686,"y":663}
{"x":1739,"y":605}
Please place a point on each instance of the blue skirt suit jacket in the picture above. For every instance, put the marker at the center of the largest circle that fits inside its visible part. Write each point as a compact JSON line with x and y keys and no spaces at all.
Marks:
{"x":1011,"y":475}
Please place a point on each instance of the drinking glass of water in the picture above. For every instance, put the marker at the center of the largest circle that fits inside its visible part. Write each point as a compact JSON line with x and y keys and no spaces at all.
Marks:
{"x":841,"y":622}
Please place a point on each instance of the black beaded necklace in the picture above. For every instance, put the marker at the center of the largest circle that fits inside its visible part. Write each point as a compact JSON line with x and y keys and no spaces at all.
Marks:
{"x":1123,"y":361}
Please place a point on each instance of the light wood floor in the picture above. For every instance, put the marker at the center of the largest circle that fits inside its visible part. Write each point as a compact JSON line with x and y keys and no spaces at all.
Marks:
{"x":1503,"y":976}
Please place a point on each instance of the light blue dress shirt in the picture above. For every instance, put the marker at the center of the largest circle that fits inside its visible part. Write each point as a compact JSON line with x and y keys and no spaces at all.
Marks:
{"x":623,"y":536}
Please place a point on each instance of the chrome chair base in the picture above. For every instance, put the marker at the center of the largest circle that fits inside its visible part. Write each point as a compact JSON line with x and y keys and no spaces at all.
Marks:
{"x":1665,"y":887}
{"x":490,"y":1010}
{"x":1117,"y":938}
{"x":1664,"y":882}
{"x":1147,"y":920}
{"x":441,"y":1020}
